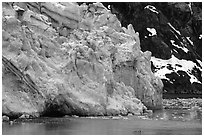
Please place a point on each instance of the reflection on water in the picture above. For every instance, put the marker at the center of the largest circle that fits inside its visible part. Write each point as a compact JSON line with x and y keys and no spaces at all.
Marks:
{"x":164,"y":122}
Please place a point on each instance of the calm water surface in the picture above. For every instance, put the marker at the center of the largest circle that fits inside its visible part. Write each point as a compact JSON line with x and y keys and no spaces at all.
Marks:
{"x":166,"y":122}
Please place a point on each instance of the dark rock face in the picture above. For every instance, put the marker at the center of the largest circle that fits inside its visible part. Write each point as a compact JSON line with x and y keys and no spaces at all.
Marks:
{"x":168,"y":30}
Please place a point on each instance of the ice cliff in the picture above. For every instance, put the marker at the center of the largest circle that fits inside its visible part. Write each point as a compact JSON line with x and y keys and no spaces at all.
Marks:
{"x":65,"y":59}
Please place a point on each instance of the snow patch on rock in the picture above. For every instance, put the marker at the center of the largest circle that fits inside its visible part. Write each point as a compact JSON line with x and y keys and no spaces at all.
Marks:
{"x":190,"y":40}
{"x":200,"y":37}
{"x":153,"y":31}
{"x":174,"y":28}
{"x":152,"y":8}
{"x":199,"y":62}
{"x":183,"y":48}
{"x":184,"y":65}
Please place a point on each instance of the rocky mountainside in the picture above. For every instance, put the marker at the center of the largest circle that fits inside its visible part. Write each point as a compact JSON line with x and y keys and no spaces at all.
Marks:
{"x":172,"y":32}
{"x":65,"y":59}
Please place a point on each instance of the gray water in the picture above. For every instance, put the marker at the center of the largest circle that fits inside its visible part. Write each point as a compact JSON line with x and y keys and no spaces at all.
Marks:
{"x":166,"y":122}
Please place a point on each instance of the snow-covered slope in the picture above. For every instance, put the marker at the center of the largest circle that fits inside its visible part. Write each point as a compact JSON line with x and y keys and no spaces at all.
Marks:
{"x":173,"y":64}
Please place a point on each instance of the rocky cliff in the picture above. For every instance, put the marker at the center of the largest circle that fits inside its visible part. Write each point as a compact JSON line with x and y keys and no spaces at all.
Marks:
{"x":172,"y":32}
{"x":65,"y":59}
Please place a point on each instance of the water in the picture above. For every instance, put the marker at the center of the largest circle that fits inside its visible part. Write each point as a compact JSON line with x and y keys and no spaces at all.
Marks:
{"x":166,"y":122}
